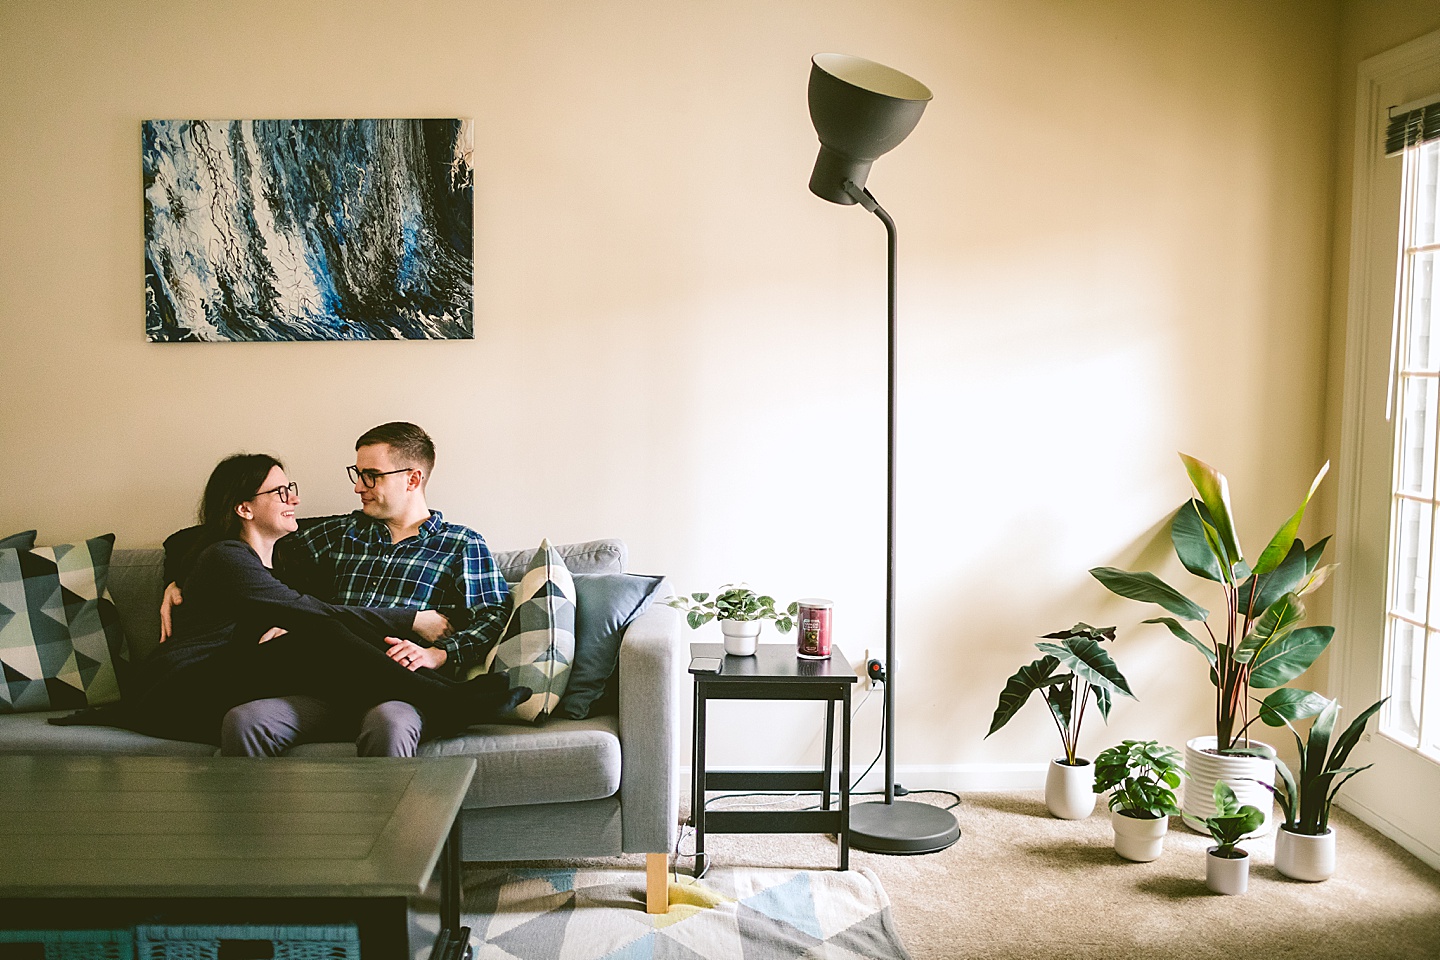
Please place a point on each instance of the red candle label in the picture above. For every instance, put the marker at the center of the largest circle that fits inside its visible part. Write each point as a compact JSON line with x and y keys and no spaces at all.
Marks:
{"x":814,"y":623}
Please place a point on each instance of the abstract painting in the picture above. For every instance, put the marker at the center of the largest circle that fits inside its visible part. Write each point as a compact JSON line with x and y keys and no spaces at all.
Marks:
{"x":308,"y":230}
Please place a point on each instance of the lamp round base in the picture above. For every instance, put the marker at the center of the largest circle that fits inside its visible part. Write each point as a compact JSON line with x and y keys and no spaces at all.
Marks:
{"x":902,"y":827}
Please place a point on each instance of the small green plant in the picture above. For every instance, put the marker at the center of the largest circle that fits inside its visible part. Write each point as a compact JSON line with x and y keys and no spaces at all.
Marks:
{"x":1142,"y":775}
{"x":1305,"y":799}
{"x":1066,"y":676}
{"x":1231,"y":822}
{"x":734,"y":601}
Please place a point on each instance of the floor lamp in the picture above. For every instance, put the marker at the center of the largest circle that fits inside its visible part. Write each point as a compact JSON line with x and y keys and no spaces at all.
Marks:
{"x":862,"y":110}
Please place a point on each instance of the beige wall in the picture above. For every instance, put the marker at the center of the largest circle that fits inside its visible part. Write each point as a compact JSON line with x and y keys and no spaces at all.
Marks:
{"x":1115,"y":242}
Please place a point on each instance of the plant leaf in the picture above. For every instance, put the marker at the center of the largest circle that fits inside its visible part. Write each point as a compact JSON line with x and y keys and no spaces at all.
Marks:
{"x":1088,"y":660}
{"x":1316,"y":578}
{"x":1272,"y":586}
{"x":1313,"y":554}
{"x":1281,"y":662}
{"x":1186,"y":635}
{"x":1148,"y":588}
{"x":1279,"y":546}
{"x":1274,"y":625}
{"x":1187,"y":533}
{"x":1214,"y":492}
{"x":1290,"y":703}
{"x":1352,"y":734}
{"x":1018,"y":688}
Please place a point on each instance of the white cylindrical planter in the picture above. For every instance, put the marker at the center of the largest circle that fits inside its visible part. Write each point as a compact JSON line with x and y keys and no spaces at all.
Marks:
{"x":1227,"y":875}
{"x":1070,"y":791}
{"x":741,"y":636}
{"x":1139,"y":839}
{"x":1303,"y":856}
{"x":1241,"y":773}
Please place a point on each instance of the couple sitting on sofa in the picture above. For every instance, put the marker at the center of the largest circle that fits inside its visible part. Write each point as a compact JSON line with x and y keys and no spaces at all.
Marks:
{"x":255,"y":663}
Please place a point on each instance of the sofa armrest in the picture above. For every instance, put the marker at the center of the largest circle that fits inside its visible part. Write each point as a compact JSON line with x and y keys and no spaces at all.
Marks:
{"x":649,"y":727}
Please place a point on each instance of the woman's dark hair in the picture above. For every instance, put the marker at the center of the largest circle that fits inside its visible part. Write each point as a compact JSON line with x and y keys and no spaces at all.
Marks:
{"x":233,"y":481}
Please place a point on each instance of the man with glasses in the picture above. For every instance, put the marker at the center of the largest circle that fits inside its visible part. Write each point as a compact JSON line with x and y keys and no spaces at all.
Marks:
{"x":394,"y":552}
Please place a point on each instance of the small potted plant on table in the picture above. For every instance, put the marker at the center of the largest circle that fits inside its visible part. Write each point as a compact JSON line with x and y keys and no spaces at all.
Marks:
{"x":1305,"y":845}
{"x":1066,"y":677}
{"x":1227,"y":867}
{"x":741,"y":612}
{"x":1142,"y":777}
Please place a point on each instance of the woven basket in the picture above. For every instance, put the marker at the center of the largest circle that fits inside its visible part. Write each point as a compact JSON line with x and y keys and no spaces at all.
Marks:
{"x":247,"y":943}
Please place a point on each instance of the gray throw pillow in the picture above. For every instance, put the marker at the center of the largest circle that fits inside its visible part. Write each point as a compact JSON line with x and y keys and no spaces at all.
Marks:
{"x":606,"y":603}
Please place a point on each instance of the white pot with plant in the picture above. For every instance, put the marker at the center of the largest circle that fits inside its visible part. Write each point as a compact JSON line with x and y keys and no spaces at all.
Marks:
{"x":1227,"y":867}
{"x":741,"y":612}
{"x":1257,"y":643}
{"x":1141,"y":777}
{"x":1070,"y":673}
{"x":1305,"y":845}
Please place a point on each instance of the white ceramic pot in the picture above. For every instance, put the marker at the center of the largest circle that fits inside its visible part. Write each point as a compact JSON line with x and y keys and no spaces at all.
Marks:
{"x":1240,"y":772}
{"x":741,"y":636}
{"x":1070,"y":791}
{"x":1139,"y":838}
{"x":1227,"y":875}
{"x":1302,"y":856}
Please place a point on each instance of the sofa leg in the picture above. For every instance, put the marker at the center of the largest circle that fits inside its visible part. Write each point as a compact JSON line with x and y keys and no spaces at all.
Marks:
{"x":657,"y":882}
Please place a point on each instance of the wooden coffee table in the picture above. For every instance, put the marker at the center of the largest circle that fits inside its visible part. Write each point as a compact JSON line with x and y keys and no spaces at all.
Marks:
{"x":111,"y":841}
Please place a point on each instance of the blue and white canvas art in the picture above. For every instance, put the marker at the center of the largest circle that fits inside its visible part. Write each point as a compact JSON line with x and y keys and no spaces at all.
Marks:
{"x":308,"y":230}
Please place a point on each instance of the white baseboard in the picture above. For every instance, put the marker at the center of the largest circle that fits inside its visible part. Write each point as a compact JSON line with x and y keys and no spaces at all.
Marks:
{"x":1409,"y":841}
{"x":957,"y":777}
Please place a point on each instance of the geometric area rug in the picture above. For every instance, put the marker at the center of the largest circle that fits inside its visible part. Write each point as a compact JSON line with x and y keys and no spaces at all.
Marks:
{"x":731,"y":914}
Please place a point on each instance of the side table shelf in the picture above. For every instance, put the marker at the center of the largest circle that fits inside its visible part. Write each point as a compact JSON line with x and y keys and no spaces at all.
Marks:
{"x":775,"y":672}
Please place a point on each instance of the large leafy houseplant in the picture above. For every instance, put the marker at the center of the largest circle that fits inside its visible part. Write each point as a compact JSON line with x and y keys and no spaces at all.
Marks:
{"x":1305,"y":795}
{"x":1258,"y":641}
{"x":1066,"y":677}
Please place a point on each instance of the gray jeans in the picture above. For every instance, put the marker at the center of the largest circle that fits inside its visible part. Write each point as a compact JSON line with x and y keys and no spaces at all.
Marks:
{"x":267,"y":728}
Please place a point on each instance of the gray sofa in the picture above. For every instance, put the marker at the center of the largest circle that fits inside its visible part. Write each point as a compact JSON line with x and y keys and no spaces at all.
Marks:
{"x":601,"y":786}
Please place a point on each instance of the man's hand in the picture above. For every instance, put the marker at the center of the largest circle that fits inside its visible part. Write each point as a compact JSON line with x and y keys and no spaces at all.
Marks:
{"x":431,"y":626}
{"x":168,"y":602}
{"x":412,"y":656}
{"x":272,"y":633}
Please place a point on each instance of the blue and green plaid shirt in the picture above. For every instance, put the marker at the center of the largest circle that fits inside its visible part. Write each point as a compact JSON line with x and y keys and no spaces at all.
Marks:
{"x":445,"y":567}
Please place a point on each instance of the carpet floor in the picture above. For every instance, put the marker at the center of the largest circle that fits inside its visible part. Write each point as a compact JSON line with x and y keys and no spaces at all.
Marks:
{"x":1021,"y":884}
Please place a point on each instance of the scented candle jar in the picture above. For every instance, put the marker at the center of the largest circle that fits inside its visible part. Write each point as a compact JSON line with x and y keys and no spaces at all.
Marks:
{"x":813,"y":621}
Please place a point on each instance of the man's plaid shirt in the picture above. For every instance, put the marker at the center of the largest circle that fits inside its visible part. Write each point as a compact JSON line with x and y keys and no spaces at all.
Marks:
{"x":445,"y":567}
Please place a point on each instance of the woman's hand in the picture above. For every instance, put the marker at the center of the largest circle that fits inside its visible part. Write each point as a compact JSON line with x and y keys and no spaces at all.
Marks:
{"x":412,"y":656}
{"x":168,"y":602}
{"x":431,"y":626}
{"x":272,"y":633}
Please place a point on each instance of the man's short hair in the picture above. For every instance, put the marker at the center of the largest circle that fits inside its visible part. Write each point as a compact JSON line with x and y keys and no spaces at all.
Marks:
{"x":412,"y":445}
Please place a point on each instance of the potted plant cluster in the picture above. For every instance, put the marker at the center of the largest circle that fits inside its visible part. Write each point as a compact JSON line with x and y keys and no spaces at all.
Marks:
{"x":741,"y":612}
{"x":1141,"y":776}
{"x":1227,"y":867}
{"x":1070,"y":673}
{"x":1258,"y":642}
{"x":1305,"y":846}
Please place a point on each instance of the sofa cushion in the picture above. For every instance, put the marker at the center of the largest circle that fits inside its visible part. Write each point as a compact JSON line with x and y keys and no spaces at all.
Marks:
{"x":563,"y":761}
{"x":30,"y":733}
{"x":605,"y":604}
{"x":590,"y":556}
{"x":539,"y":641}
{"x":60,"y":635}
{"x":24,"y":540}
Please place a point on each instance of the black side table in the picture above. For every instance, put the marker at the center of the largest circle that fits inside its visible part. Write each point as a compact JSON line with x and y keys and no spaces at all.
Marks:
{"x":774,"y":673}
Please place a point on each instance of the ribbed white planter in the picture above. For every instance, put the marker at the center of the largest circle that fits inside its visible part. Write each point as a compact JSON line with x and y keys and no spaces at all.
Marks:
{"x":1230,"y":876}
{"x":1139,"y":839}
{"x":741,"y":636}
{"x":1070,"y":791}
{"x":1302,"y":856}
{"x":1240,"y":772}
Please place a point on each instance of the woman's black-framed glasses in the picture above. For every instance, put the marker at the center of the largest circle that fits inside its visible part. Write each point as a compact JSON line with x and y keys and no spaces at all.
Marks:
{"x":286,"y":493}
{"x":371,"y":477}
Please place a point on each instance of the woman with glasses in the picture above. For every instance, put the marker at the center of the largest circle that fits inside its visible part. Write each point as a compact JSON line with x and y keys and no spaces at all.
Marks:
{"x":243,"y":635}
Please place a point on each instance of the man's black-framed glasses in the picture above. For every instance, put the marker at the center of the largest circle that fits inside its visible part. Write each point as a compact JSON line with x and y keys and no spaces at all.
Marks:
{"x":286,"y":493}
{"x":371,"y":477}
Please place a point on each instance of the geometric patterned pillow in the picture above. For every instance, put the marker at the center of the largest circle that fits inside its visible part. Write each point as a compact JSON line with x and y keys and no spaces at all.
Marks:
{"x":20,"y":541}
{"x":538,"y":645}
{"x":60,"y":635}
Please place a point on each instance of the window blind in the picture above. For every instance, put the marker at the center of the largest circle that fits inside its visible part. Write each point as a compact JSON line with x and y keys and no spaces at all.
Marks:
{"x":1412,"y":124}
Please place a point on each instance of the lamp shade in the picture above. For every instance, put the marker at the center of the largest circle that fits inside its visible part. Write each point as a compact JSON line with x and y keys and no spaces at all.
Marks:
{"x":861,"y":110}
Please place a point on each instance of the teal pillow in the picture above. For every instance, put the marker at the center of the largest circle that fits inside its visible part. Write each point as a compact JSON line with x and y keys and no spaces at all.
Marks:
{"x":606,"y":603}
{"x":24,"y":540}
